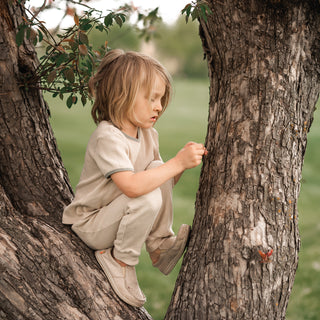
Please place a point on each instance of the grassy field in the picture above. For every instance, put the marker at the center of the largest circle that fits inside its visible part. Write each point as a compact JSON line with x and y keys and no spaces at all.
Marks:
{"x":185,"y":120}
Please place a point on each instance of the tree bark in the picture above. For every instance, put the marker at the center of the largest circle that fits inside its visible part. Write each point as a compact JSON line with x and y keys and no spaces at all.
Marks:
{"x":263,"y":61}
{"x":45,"y":270}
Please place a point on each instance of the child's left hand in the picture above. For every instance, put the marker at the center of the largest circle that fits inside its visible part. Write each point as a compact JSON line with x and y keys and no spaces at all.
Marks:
{"x":191,"y":154}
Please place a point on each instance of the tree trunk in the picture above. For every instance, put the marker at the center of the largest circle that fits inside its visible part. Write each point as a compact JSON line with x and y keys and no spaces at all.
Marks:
{"x":263,"y":60}
{"x":45,"y":270}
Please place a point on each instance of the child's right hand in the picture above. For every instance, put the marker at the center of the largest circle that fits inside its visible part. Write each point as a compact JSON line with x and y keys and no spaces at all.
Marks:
{"x":191,"y":154}
{"x":135,"y":184}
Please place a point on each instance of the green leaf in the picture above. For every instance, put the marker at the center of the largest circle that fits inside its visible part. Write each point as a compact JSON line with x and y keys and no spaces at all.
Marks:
{"x":61,"y":58}
{"x":108,"y":20}
{"x":122,"y":16}
{"x":85,"y":27}
{"x":100,"y":27}
{"x":187,"y":9}
{"x":40,"y":35}
{"x":205,"y":11}
{"x":83,"y":99}
{"x":69,"y":101}
{"x":118,"y":21}
{"x":85,"y":21}
{"x":195,"y":14}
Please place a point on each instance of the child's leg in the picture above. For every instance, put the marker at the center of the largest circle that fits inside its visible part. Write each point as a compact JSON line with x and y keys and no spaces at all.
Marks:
{"x":135,"y":226}
{"x":124,"y":224}
{"x":122,"y":227}
{"x":162,"y":228}
{"x":164,"y":247}
{"x":100,"y":229}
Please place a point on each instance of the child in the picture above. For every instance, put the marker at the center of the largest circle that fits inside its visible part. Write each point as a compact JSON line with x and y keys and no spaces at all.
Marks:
{"x":124,"y":196}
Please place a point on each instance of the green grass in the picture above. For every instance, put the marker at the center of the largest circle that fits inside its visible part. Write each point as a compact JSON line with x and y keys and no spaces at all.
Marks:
{"x":186,"y":120}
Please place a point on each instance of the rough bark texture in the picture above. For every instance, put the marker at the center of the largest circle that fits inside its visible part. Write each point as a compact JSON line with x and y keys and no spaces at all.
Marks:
{"x":31,"y":170}
{"x":45,"y":271}
{"x":263,"y":60}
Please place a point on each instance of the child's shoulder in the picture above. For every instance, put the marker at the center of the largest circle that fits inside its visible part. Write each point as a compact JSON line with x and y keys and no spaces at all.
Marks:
{"x":106,"y":128}
{"x":106,"y":132}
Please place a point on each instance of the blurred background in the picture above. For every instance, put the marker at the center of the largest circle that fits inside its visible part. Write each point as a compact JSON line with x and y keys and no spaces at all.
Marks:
{"x":178,"y":47}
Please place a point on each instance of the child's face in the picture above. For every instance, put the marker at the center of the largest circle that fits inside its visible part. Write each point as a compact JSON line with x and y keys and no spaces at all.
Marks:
{"x":147,"y":109}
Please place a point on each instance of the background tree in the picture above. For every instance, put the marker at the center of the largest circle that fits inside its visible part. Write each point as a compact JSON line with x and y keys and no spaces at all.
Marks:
{"x":186,"y":53}
{"x":262,"y":61}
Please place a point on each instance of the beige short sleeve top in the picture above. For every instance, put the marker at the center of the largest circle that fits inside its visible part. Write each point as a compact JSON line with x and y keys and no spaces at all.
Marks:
{"x":109,"y":151}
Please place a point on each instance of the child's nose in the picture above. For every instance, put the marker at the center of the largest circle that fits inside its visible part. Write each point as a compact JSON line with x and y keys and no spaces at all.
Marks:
{"x":158,"y":106}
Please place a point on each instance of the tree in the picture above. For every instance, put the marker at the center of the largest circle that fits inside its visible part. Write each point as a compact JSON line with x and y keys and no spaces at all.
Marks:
{"x":264,"y":73}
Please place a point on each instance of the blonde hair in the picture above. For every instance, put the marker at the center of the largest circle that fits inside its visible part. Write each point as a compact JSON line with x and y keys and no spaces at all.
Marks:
{"x":119,"y":78}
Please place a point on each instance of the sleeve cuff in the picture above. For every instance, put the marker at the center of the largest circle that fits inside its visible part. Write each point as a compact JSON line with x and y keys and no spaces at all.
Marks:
{"x":108,"y":174}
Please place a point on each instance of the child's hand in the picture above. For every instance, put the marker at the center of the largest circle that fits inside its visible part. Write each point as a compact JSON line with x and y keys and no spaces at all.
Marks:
{"x":191,"y":155}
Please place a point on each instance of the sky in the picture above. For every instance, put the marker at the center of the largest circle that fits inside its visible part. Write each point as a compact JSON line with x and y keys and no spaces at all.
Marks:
{"x":169,"y":10}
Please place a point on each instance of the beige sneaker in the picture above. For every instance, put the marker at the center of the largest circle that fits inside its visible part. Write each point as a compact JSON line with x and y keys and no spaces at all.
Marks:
{"x":172,"y":250}
{"x":122,"y":279}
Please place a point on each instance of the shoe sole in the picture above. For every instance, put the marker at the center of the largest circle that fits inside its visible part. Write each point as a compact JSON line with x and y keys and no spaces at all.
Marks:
{"x":112,"y":282}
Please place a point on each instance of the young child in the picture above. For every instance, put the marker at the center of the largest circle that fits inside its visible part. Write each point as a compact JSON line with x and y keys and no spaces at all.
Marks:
{"x":124,"y":196}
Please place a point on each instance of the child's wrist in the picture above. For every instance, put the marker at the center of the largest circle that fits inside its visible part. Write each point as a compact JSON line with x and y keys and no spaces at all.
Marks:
{"x":179,"y":164}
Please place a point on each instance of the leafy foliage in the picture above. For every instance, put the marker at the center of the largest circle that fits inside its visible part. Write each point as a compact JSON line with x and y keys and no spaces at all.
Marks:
{"x":69,"y":58}
{"x":196,"y":10}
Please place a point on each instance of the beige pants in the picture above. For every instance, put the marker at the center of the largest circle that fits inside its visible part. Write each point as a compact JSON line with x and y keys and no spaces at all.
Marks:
{"x":127,"y":223}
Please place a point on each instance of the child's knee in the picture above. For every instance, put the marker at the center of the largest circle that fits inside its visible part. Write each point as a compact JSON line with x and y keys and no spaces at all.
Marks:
{"x":153,"y":201}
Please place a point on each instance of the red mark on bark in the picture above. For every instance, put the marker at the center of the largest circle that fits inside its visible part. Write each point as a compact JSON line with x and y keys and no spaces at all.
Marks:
{"x":265,"y":257}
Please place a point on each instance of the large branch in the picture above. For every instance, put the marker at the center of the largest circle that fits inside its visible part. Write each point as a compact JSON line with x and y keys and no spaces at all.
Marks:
{"x":47,"y":273}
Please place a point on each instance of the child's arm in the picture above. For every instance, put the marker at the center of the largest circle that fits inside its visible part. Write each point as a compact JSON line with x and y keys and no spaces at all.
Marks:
{"x":137,"y":184}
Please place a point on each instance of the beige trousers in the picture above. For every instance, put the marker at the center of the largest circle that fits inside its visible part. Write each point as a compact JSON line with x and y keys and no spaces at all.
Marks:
{"x":127,"y":223}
